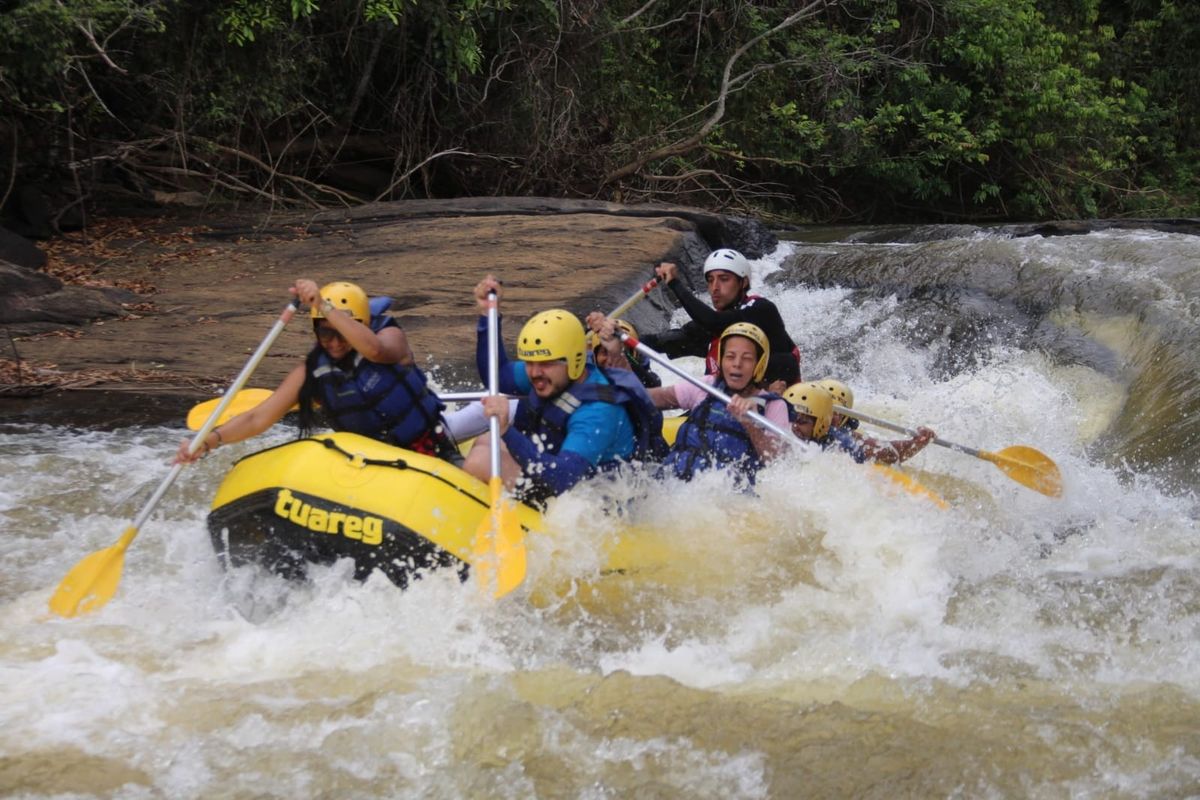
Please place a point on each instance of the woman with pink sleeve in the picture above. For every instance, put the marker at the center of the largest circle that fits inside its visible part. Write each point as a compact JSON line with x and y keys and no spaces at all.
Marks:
{"x":719,"y":435}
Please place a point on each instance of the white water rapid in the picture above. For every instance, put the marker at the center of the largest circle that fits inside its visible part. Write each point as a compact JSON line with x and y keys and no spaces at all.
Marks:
{"x":828,"y":637}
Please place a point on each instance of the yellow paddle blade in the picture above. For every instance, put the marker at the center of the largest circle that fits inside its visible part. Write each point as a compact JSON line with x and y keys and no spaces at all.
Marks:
{"x":910,"y":485}
{"x":93,"y":581}
{"x":244,"y":400}
{"x":1029,"y":467}
{"x":499,"y":546}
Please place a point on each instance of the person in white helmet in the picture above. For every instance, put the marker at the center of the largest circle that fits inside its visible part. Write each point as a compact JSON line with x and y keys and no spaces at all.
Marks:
{"x":727,"y":276}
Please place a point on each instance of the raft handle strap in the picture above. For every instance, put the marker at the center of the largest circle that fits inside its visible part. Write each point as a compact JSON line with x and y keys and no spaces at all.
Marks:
{"x":398,"y":463}
{"x":357,"y":458}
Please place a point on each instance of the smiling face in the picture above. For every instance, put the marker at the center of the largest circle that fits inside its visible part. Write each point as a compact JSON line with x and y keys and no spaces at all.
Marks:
{"x":724,"y":288}
{"x":549,"y":378}
{"x":738,"y":359}
{"x":803,"y":427}
{"x":332,"y":341}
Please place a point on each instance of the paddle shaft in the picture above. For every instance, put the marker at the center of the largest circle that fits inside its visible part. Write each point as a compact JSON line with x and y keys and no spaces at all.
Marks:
{"x":461,"y":397}
{"x":494,"y":382}
{"x":665,"y":363}
{"x":499,"y":545}
{"x":284,"y":318}
{"x":892,"y":426}
{"x":634,"y":299}
{"x":93,"y":581}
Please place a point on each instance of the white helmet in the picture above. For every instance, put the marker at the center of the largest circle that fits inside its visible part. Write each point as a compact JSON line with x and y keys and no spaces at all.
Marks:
{"x":728,"y":260}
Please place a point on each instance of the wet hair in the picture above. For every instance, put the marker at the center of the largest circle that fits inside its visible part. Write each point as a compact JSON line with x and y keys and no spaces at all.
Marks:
{"x":311,"y":417}
{"x":308,"y":392}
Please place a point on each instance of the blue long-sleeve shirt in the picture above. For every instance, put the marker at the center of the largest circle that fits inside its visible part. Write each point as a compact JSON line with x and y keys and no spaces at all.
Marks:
{"x":597,"y":433}
{"x":841,"y":439}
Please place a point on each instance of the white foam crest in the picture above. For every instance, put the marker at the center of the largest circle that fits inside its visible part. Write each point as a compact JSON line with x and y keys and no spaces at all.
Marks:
{"x":688,"y":769}
{"x":72,"y":696}
{"x":335,"y":623}
{"x":874,"y":573}
{"x":701,"y":664}
{"x":879,"y":584}
{"x":770,"y":263}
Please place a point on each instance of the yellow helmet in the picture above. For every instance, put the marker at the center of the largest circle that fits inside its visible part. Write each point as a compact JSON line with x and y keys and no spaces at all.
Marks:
{"x":754,"y":334}
{"x":815,"y":401}
{"x":345,"y":296}
{"x":840,"y":391}
{"x":593,"y":338}
{"x":554,"y":335}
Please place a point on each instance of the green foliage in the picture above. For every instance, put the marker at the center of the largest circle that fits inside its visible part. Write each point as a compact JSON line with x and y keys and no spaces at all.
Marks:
{"x":454,"y":29}
{"x":245,"y":20}
{"x":44,"y":48}
{"x":963,"y":108}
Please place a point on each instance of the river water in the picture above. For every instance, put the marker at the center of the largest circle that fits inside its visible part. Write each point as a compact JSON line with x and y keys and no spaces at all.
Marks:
{"x":825,"y":638}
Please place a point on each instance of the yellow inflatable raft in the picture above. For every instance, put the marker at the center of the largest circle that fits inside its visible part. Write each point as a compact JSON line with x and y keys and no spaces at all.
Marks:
{"x":341,"y":495}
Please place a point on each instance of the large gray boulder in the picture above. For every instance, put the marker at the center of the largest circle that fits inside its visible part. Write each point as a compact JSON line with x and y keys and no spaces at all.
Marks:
{"x":20,"y":251}
{"x":33,"y":302}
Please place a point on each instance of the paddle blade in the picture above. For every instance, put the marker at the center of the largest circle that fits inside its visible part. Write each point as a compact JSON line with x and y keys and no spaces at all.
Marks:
{"x":910,"y":485}
{"x":1029,"y":467}
{"x":93,"y":581}
{"x":499,"y":546}
{"x":242,"y":401}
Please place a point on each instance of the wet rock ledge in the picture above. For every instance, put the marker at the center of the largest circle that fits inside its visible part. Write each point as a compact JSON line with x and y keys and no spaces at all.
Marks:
{"x":156,"y":315}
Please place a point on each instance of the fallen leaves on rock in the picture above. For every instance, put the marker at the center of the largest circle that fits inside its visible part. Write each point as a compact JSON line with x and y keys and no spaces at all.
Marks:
{"x":79,"y":258}
{"x":24,"y":378}
{"x":62,"y":333}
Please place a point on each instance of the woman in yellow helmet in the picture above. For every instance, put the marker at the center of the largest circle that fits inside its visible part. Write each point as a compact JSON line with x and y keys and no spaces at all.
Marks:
{"x":361,"y":373}
{"x":717,"y":435}
{"x":816,"y":421}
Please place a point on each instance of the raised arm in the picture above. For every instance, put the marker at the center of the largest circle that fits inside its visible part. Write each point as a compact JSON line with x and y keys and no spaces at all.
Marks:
{"x":898,"y":450}
{"x":388,"y":346}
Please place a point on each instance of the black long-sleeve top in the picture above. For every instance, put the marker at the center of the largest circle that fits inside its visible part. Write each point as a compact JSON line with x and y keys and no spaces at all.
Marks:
{"x":696,"y":337}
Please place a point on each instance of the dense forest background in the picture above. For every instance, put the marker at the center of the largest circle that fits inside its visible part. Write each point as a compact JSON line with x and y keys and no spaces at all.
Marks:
{"x":861,"y":110}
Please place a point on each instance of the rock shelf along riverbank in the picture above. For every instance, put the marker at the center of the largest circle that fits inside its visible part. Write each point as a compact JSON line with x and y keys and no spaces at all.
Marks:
{"x":200,"y":296}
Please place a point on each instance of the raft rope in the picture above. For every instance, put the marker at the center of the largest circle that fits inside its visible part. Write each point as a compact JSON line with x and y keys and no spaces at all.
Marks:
{"x":396,"y":463}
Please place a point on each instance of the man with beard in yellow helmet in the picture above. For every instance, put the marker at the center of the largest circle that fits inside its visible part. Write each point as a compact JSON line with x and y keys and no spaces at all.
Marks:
{"x":575,"y":419}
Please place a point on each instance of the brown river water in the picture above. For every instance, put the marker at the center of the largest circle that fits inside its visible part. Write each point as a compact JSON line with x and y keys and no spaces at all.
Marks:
{"x":825,"y":637}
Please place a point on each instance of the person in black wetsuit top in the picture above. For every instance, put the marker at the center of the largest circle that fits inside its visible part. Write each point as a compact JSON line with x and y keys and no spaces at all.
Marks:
{"x":727,"y":275}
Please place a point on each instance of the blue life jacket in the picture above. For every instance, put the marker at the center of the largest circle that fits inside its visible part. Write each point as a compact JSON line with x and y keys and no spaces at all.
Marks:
{"x":841,"y":439}
{"x":711,"y":438}
{"x":388,"y":402}
{"x":548,"y":419}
